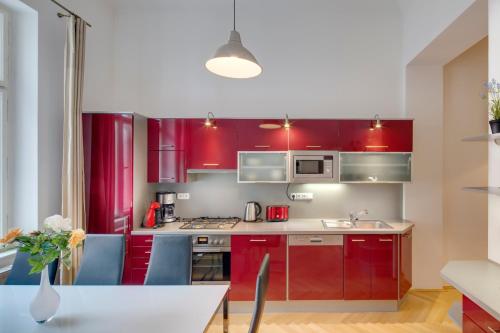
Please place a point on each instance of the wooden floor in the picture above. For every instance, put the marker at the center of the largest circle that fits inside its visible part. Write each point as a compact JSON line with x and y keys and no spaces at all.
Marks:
{"x":422,"y":311}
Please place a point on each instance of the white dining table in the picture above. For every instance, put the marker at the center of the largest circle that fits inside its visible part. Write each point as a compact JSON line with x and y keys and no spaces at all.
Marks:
{"x":120,"y":309}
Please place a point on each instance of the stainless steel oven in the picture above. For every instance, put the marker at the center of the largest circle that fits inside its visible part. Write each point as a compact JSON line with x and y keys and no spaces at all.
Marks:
{"x":314,"y":166}
{"x":211,"y":259}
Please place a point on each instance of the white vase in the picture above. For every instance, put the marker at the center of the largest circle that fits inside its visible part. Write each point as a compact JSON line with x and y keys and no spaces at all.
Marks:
{"x":46,"y":302}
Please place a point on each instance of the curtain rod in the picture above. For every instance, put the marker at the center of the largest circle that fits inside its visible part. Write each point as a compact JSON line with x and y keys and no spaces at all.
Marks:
{"x":69,"y":11}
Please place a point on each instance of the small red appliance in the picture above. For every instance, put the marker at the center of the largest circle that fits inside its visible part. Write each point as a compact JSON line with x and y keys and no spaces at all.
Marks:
{"x":149,"y":220}
{"x":277,"y":213}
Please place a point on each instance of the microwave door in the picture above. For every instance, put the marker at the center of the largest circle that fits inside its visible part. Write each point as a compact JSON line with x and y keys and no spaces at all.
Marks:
{"x":309,"y":167}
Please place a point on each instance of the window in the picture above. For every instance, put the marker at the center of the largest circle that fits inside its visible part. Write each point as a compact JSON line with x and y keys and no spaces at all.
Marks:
{"x":4,"y":52}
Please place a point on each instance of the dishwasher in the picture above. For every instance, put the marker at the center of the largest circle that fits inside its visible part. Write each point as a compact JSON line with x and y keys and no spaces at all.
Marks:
{"x":315,"y":267}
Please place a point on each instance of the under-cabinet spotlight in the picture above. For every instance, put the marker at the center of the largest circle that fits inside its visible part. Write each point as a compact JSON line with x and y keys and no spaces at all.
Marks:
{"x":286,"y":125}
{"x":210,"y":120}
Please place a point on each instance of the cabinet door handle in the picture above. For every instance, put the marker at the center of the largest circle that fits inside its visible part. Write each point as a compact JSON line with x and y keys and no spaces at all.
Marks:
{"x":148,"y":252}
{"x":258,"y":240}
{"x":210,"y":164}
{"x":146,"y":263}
{"x":167,"y":178}
{"x":150,"y":240}
{"x":384,"y":240}
{"x":262,"y":146}
{"x":313,"y":146}
{"x":167,"y":146}
{"x":492,"y":330}
{"x":316,"y":240}
{"x":357,"y":240}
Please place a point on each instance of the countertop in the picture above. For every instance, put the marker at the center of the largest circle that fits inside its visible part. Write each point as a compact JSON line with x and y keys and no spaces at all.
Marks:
{"x":479,"y":280}
{"x":292,"y":226}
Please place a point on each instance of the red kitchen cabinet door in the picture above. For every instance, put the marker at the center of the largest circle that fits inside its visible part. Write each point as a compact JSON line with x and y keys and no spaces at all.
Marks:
{"x":167,"y":134}
{"x":405,"y":257}
{"x":480,"y":317}
{"x":314,"y":134}
{"x":108,"y":158}
{"x":166,"y":166}
{"x":384,"y":267}
{"x":247,"y":252}
{"x":315,"y":272}
{"x":357,"y":267}
{"x":469,"y":326}
{"x":212,"y":147}
{"x":359,"y":135}
{"x":253,"y":138}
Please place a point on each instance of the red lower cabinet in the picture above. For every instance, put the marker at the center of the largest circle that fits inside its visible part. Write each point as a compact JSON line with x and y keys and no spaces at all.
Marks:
{"x":247,"y":252}
{"x":371,"y":267}
{"x":315,"y":267}
{"x":475,"y":319}
{"x":137,"y":259}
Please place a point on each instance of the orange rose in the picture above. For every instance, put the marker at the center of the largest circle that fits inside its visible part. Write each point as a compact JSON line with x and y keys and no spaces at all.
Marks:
{"x":77,"y":236}
{"x":11,"y":235}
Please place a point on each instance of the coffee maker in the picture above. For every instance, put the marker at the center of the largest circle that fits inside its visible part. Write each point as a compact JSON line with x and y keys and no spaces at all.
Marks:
{"x":167,"y":207}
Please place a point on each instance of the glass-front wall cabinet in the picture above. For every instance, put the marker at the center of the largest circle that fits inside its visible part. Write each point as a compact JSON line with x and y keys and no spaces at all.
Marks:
{"x":263,"y":167}
{"x":375,"y":167}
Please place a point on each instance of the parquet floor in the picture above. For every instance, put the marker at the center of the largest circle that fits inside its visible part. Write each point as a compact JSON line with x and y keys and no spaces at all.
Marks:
{"x":422,"y":312}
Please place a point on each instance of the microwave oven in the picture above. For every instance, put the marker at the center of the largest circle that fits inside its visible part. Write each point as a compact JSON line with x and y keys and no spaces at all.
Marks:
{"x":314,"y":166}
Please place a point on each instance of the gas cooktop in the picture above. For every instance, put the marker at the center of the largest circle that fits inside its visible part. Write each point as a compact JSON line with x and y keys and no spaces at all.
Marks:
{"x":209,"y":222}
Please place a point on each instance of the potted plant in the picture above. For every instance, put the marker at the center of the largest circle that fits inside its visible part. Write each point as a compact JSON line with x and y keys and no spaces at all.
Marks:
{"x":55,"y":240}
{"x":494,"y":105}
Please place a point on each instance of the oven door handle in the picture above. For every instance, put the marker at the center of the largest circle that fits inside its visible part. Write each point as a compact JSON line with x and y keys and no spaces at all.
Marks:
{"x":211,"y":250}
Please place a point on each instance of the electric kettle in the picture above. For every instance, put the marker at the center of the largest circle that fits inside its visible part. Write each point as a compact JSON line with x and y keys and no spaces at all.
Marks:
{"x":252,"y":212}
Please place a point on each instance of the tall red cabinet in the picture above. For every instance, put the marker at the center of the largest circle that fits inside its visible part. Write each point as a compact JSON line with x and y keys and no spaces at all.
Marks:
{"x":109,"y":144}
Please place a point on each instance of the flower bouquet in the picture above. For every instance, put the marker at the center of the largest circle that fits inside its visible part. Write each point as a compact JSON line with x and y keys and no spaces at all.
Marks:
{"x":56,"y":240}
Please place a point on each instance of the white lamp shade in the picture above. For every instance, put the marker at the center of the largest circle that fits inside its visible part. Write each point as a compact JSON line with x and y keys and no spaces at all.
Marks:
{"x":233,"y":60}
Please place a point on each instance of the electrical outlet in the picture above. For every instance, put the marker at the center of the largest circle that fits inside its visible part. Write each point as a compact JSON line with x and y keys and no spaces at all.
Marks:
{"x":301,"y":196}
{"x":183,"y":196}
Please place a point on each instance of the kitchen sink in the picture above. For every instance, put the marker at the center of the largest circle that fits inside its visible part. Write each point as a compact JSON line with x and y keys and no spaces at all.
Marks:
{"x":337,"y":224}
{"x":360,"y":224}
{"x":371,"y":224}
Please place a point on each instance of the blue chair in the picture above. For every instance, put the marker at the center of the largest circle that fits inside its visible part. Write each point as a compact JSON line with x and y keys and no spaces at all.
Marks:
{"x":260,"y":294}
{"x":19,"y":274}
{"x":102,"y":262}
{"x":170,"y":262}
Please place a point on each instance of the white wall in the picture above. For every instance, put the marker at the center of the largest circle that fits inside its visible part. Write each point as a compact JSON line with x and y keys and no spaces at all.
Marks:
{"x":333,"y":58}
{"x":494,"y":150}
{"x":425,"y":20}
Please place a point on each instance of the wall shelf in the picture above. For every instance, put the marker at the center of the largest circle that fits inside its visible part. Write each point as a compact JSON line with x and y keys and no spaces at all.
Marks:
{"x":485,"y":189}
{"x":485,"y":137}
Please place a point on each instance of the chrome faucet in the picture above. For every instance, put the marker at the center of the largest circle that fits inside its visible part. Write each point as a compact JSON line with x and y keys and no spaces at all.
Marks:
{"x":355,"y":216}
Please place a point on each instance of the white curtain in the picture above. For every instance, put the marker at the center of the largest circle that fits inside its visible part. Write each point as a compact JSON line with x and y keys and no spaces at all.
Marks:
{"x":73,"y":186}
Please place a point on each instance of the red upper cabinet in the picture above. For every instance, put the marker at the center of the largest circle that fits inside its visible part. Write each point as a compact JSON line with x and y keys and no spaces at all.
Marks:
{"x":251,"y":137}
{"x":108,"y":157}
{"x":405,"y":264}
{"x":167,"y":134}
{"x":360,"y":135}
{"x":166,"y":166}
{"x":212,"y":147}
{"x":247,"y":252}
{"x":314,"y":134}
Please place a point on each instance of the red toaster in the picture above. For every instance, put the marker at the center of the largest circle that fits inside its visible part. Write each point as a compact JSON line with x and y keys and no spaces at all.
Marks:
{"x":277,"y":213}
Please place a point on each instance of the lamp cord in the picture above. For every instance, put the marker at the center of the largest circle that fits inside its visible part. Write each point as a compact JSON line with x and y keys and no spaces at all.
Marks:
{"x":234,"y":15}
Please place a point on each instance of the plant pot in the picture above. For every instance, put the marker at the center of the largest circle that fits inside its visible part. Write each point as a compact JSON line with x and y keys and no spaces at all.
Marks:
{"x":495,"y":126}
{"x":46,"y":302}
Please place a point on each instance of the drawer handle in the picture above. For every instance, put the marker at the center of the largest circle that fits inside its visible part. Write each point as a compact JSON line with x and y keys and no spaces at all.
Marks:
{"x":149,"y":241}
{"x":492,"y":330}
{"x":258,"y":240}
{"x":316,"y":240}
{"x":210,"y":164}
{"x":313,"y":146}
{"x":148,"y":252}
{"x":262,"y":146}
{"x":357,"y":240}
{"x":146,"y":263}
{"x":384,"y":240}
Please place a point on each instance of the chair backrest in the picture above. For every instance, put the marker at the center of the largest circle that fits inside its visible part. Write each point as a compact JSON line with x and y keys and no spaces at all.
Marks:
{"x":170,"y":262}
{"x":102,"y":262}
{"x":260,"y":294}
{"x":20,"y":272}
